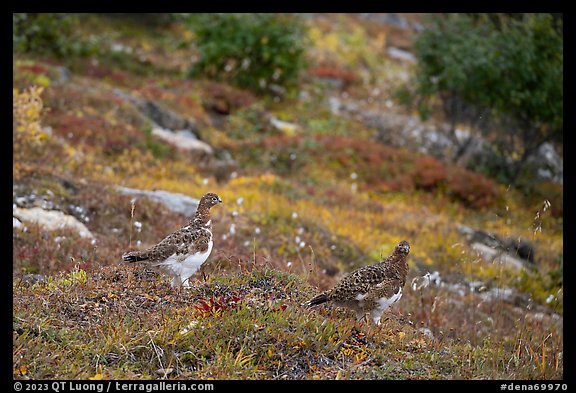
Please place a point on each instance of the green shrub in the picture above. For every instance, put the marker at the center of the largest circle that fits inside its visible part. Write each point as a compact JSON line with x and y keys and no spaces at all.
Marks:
{"x":260,"y":52}
{"x":508,"y":69}
{"x":47,"y":33}
{"x":152,"y":20}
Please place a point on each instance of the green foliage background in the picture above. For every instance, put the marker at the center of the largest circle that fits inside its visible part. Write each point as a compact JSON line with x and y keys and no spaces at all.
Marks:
{"x":252,"y":51}
{"x":508,"y":66}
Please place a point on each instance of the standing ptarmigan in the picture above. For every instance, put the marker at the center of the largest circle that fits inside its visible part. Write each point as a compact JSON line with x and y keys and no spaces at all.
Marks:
{"x":370,"y":289}
{"x":181,"y":253}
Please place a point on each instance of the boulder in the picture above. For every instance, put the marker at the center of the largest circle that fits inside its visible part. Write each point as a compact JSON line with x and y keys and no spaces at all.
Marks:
{"x":34,"y":278}
{"x":511,"y":251}
{"x":401,"y":54}
{"x":179,"y":203}
{"x":183,"y":140}
{"x":549,"y":163}
{"x":173,"y":128}
{"x":51,"y":220}
{"x":493,"y":255}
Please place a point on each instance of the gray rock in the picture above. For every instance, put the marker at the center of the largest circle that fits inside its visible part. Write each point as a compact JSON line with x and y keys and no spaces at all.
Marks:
{"x":418,"y":27}
{"x":492,"y":255}
{"x":512,"y":250}
{"x":521,"y":248}
{"x":505,"y":294}
{"x":550,"y":164}
{"x":409,"y":131}
{"x":179,"y":203}
{"x":183,"y":140}
{"x":164,"y":120}
{"x":164,"y":117}
{"x":64,"y":74}
{"x":478,"y":289}
{"x":390,"y":19}
{"x":489,"y":239}
{"x":51,"y":220}
{"x":34,"y":278}
{"x":401,"y":54}
{"x":171,"y":127}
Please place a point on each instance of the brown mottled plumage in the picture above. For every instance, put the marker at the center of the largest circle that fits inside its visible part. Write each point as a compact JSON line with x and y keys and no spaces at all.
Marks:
{"x":181,"y":253}
{"x":370,"y":289}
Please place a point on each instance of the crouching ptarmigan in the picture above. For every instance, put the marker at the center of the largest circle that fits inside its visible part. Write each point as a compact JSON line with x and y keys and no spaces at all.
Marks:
{"x":370,"y":289}
{"x":180,"y":254}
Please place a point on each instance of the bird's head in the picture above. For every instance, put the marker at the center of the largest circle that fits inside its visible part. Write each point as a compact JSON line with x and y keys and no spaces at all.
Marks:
{"x":210,"y":199}
{"x":403,"y":247}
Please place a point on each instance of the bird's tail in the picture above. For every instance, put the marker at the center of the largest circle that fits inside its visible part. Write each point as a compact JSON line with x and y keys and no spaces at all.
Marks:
{"x":318,"y":299}
{"x":135,"y":256}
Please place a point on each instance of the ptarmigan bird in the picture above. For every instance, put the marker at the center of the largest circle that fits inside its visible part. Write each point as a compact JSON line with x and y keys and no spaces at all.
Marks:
{"x":180,"y":254}
{"x":370,"y":289}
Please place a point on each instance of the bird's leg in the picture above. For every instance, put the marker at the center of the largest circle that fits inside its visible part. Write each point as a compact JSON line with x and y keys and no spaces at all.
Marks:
{"x":376,"y":315}
{"x":360,"y":319}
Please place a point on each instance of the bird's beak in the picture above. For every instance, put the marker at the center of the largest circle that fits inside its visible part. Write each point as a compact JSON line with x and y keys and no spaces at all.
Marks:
{"x":219,"y":200}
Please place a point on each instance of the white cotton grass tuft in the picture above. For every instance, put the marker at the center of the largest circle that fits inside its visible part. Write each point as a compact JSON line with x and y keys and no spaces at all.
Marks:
{"x":190,"y":326}
{"x":425,"y":280}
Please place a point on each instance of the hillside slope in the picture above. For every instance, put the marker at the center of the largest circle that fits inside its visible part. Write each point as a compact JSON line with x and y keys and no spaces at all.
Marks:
{"x":310,"y":193}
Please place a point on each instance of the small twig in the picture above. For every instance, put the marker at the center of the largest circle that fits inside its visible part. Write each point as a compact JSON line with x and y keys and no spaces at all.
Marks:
{"x":133,"y":206}
{"x":157,"y":354}
{"x":254,"y":253}
{"x":311,"y":266}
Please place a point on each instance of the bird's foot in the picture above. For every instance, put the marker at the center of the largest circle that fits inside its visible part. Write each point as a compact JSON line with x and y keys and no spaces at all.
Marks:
{"x":361,"y":320}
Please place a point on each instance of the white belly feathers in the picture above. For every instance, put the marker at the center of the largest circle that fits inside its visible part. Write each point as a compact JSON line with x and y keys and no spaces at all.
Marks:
{"x":183,"y":266}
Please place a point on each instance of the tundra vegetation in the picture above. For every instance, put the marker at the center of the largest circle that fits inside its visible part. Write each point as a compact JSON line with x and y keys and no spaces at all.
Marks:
{"x":314,"y":185}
